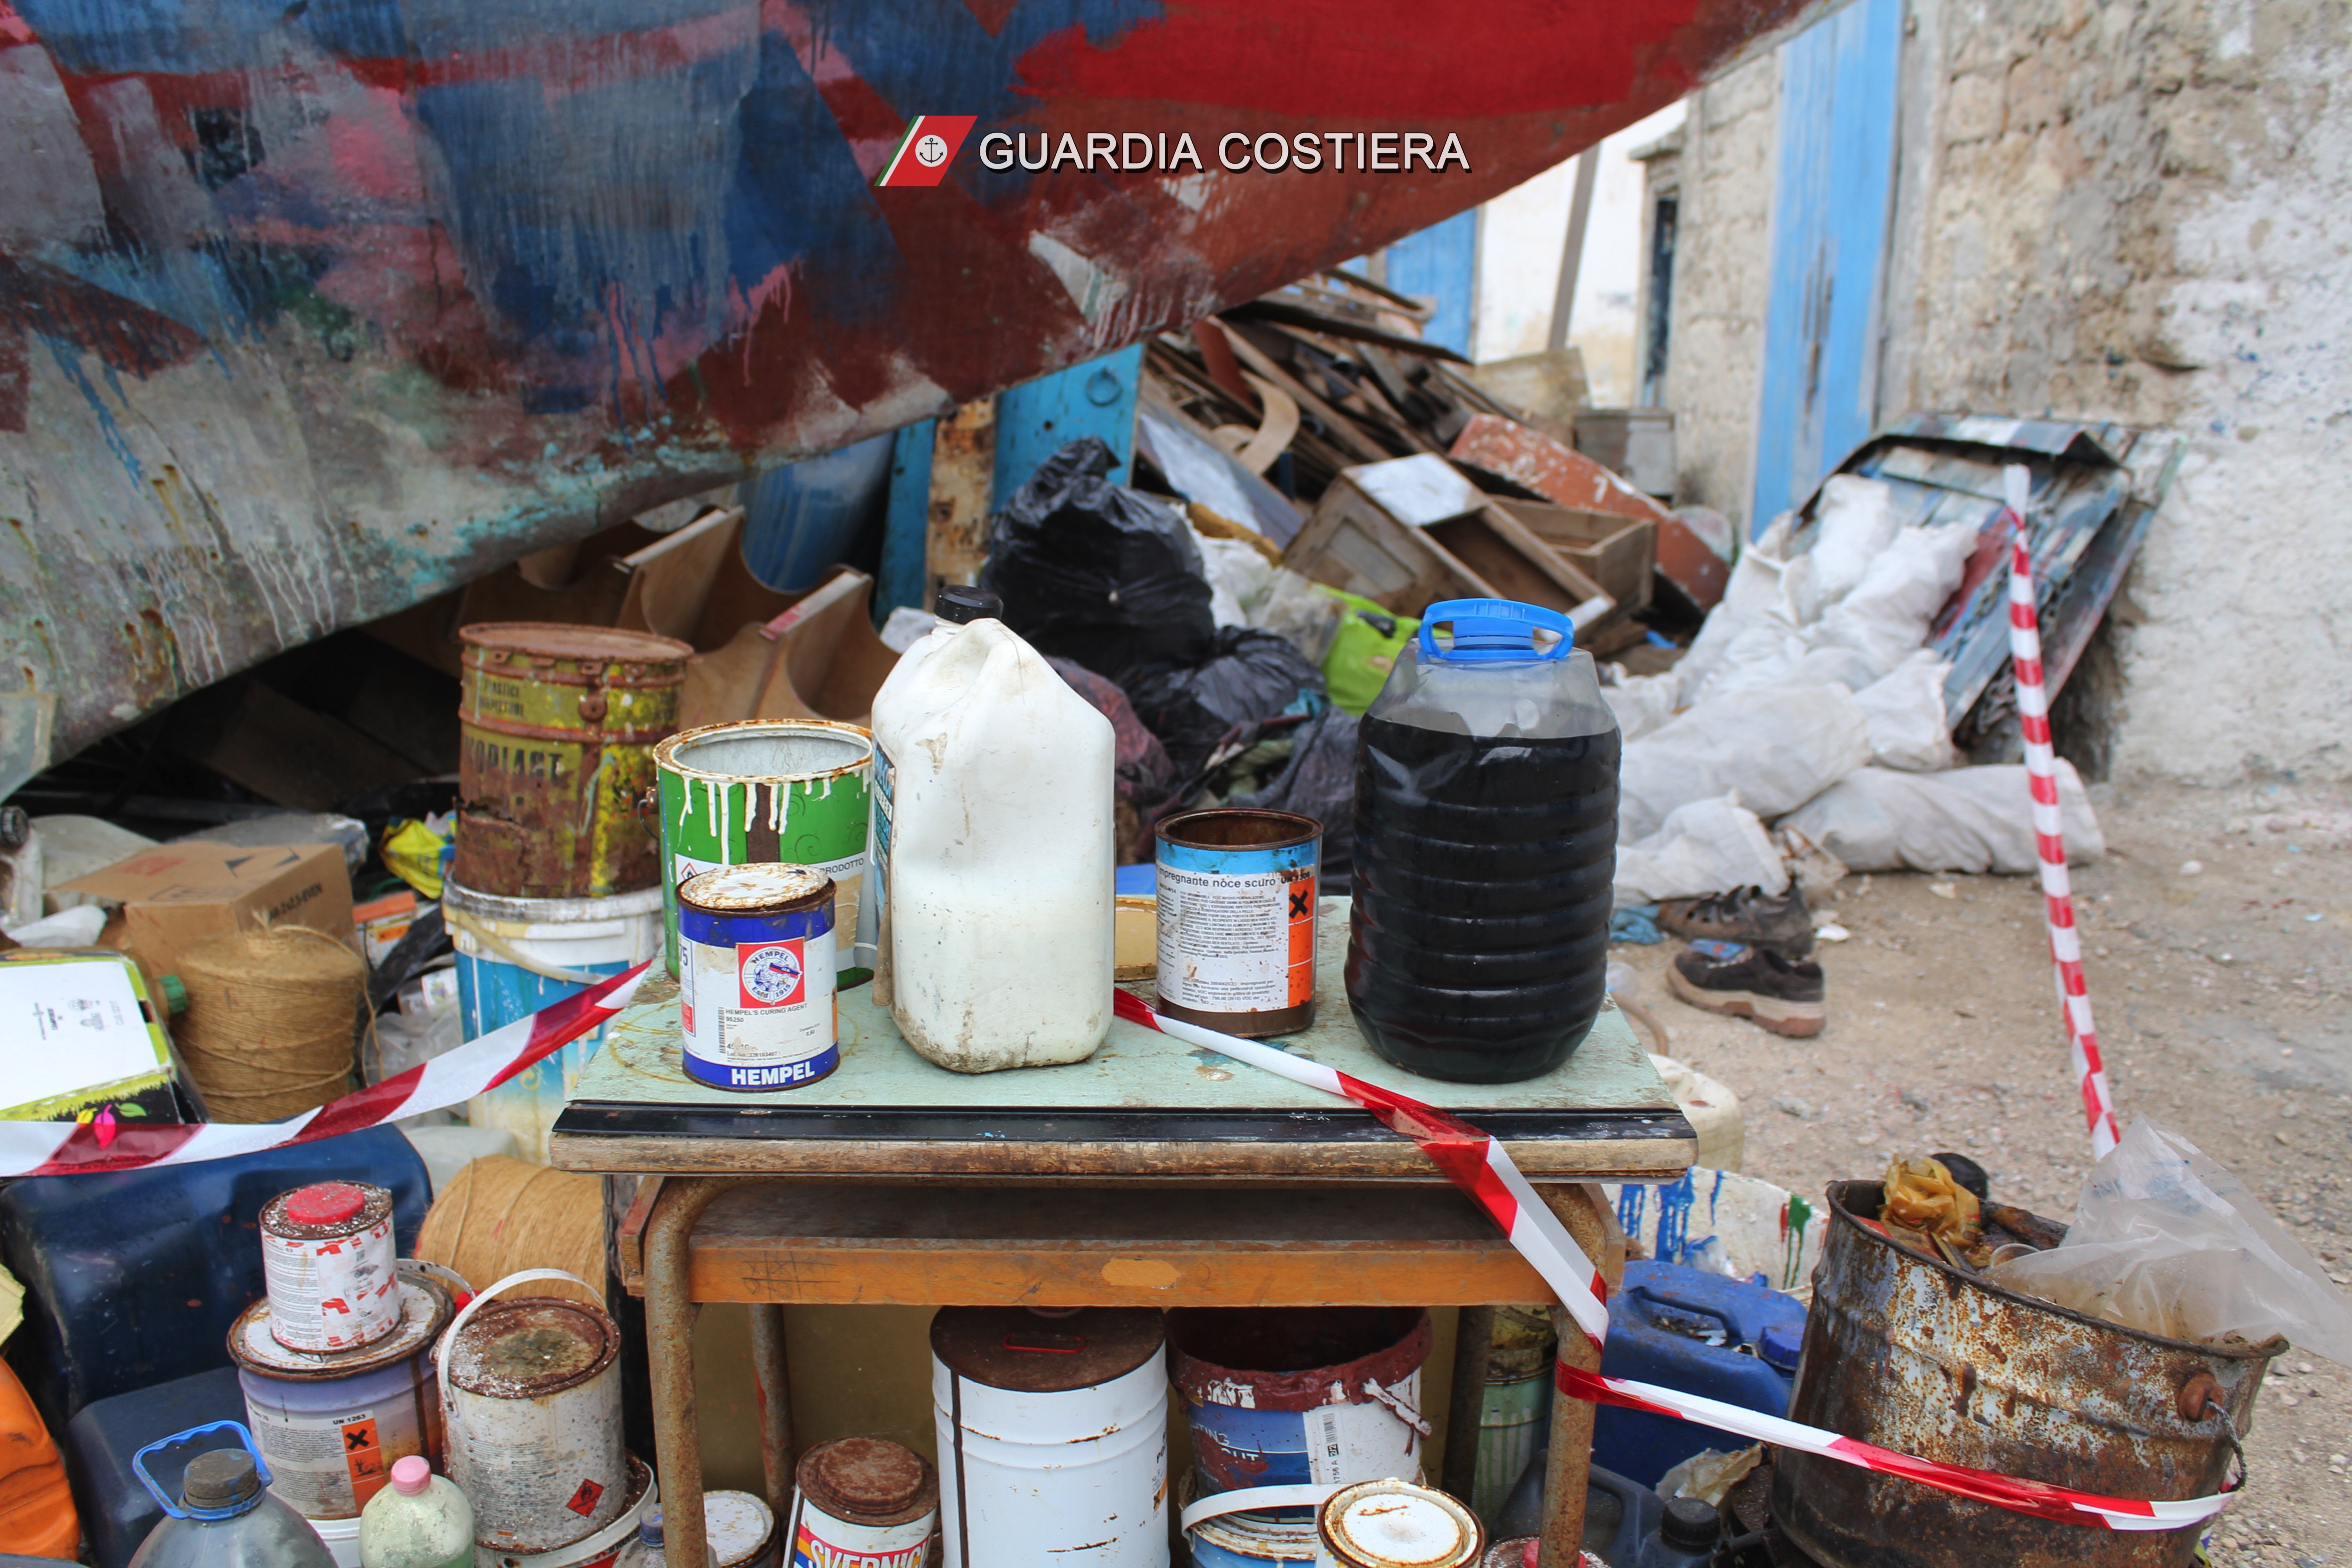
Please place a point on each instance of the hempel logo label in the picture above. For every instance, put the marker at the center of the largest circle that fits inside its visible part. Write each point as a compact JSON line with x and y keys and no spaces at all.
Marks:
{"x":932,"y":142}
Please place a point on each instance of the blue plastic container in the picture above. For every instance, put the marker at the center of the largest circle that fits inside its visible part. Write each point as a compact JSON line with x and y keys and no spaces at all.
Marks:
{"x":133,"y":1278}
{"x":1698,"y":1333}
{"x":117,"y":1511}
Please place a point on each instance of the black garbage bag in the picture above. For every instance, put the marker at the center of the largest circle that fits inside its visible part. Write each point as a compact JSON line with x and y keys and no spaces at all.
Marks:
{"x":1320,"y":783}
{"x":1146,"y":779}
{"x":1096,"y":573}
{"x":1248,"y":677}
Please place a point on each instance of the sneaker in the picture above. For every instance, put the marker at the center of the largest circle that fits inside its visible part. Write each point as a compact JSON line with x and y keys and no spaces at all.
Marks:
{"x":1778,"y":994}
{"x":1745,"y":915}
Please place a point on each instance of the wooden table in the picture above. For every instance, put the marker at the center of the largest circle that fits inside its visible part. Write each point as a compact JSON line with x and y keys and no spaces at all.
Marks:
{"x":1108,"y":1182}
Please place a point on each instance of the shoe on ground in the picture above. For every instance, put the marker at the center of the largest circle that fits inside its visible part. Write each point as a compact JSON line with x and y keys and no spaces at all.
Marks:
{"x":1780,"y":993}
{"x":1748,"y":916}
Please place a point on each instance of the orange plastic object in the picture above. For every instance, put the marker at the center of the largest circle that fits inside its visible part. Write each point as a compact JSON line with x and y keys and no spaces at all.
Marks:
{"x":36,"y":1509}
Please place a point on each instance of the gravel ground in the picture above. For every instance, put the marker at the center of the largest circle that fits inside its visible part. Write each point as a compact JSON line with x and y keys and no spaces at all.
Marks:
{"x":2215,"y":944}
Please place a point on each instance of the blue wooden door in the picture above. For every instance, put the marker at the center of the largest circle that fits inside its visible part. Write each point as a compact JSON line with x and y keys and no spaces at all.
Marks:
{"x":1440,"y":264}
{"x":1831,"y":201}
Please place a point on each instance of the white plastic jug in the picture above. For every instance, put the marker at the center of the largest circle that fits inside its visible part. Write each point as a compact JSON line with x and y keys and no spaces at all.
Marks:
{"x":420,"y":1520}
{"x":992,"y":844}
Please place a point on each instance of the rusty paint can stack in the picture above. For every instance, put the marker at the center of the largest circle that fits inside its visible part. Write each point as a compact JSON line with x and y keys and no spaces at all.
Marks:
{"x":1052,"y":1436}
{"x":756,"y":955}
{"x":766,"y":790}
{"x":861,"y":1502}
{"x":327,"y":1264}
{"x":1236,"y":891}
{"x":330,"y":1423}
{"x":558,"y":728}
{"x":531,"y":1393}
{"x":1396,"y":1525}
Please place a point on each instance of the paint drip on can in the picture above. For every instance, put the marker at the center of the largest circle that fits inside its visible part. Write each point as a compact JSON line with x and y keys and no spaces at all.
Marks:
{"x":330,"y":1424}
{"x":863,"y":1502}
{"x":327,"y":1256}
{"x":756,"y":968}
{"x":1396,"y":1525}
{"x":1236,"y":893}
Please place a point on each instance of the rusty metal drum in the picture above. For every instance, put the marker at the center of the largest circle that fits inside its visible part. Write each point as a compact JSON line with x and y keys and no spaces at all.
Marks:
{"x":558,"y":726}
{"x":1908,"y":1352}
{"x":531,"y":1393}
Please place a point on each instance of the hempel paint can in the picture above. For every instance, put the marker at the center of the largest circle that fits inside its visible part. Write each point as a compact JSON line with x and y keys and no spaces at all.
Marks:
{"x":756,"y":955}
{"x":1238,"y":920}
{"x":862,"y":1502}
{"x":327,"y":1264}
{"x":1396,"y":1525}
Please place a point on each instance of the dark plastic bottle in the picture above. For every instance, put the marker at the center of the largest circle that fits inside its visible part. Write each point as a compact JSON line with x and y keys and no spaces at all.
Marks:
{"x":1486,"y":843}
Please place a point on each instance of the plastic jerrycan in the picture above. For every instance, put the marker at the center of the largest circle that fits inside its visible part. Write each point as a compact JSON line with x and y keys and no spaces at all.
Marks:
{"x":225,"y":1517}
{"x":1485,"y":844}
{"x":993,"y":790}
{"x":420,"y":1520}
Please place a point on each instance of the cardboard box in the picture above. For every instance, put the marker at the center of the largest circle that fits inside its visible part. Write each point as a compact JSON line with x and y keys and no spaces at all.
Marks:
{"x":175,"y":894}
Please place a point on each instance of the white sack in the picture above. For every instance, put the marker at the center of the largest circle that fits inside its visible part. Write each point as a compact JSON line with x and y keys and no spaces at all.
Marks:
{"x":1968,"y":819}
{"x":1887,"y":614}
{"x":1857,"y":524}
{"x":1707,"y":847}
{"x":1751,"y":598}
{"x":1905,"y":713}
{"x":1643,"y":703}
{"x":1777,"y":748}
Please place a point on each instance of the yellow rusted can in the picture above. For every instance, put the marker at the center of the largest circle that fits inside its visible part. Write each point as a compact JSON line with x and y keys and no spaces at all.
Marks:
{"x":560,"y":725}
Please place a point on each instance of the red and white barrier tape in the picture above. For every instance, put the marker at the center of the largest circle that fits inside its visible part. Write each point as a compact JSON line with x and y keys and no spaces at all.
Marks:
{"x":1479,"y":1166}
{"x":55,"y":1149}
{"x":2049,"y":828}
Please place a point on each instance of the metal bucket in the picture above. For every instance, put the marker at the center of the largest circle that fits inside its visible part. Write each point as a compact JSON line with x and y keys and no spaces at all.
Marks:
{"x":598,"y":1549}
{"x":758,"y":790}
{"x":331,"y":1423}
{"x":558,"y":725}
{"x":1052,"y":1436}
{"x":1513,"y":1414}
{"x":1910,"y":1354}
{"x":1236,"y":889}
{"x":517,"y":955}
{"x":530,"y":1396}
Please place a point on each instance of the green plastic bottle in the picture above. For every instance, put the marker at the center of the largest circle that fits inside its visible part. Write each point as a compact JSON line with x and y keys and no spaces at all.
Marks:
{"x":420,"y":1520}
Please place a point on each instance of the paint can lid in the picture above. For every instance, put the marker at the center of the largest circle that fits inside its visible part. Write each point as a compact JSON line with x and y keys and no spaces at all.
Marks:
{"x":525,"y":1347}
{"x":425,"y":1312}
{"x":324,"y":1203}
{"x":1395,"y":1524}
{"x":326,"y":1210}
{"x":410,"y":1474}
{"x":762,"y":887}
{"x":867,"y":1481}
{"x":960,"y":606}
{"x":1013,"y":1349}
{"x":737,"y":1525}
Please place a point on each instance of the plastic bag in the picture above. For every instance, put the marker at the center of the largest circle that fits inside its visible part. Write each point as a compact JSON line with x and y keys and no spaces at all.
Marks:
{"x":1968,"y":819}
{"x":1779,"y":748}
{"x":1239,"y":577}
{"x":1145,"y":778}
{"x":1093,"y":572}
{"x":1904,"y":710}
{"x":1363,"y":650}
{"x":416,"y":851}
{"x":1705,"y":847}
{"x":2166,"y":1241}
{"x":1320,"y":783}
{"x":1305,"y":614}
{"x":1248,"y":677}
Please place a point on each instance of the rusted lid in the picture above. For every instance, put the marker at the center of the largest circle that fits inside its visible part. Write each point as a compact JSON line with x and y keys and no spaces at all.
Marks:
{"x":737,"y":1526}
{"x":1395,"y":1524}
{"x":1014,"y":1348}
{"x":867,"y":1481}
{"x":425,"y":1312}
{"x":324,"y":1210}
{"x":536,"y":1345}
{"x":554,"y":640}
{"x":768,"y":885}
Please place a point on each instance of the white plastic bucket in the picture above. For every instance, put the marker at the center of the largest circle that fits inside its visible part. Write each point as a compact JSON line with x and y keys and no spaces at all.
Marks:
{"x":517,"y":955}
{"x":599,"y":1550}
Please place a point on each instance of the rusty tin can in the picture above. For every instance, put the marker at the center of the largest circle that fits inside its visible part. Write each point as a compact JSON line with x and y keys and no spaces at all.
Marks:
{"x":531,"y":1405}
{"x":756,"y":1001}
{"x":761,"y":790}
{"x":331,"y":1423}
{"x":862,"y":1502}
{"x":1281,"y":1396}
{"x":327,"y":1264}
{"x":1908,"y":1352}
{"x":1396,"y":1525}
{"x":1238,"y":920}
{"x":558,"y":725}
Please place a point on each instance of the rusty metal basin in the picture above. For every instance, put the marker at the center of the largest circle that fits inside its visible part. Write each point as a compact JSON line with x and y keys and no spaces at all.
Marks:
{"x":1913,"y":1355}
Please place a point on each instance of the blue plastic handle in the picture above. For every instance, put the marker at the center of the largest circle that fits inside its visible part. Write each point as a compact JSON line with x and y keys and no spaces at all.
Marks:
{"x":1491,"y":631}
{"x":261,"y":1466}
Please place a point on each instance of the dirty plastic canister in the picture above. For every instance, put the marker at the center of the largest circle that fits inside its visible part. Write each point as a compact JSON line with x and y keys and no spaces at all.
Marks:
{"x":1485,"y":844}
{"x":225,"y":1517}
{"x":420,"y":1520}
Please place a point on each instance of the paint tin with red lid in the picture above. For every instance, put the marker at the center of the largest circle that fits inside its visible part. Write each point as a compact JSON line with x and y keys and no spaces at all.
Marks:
{"x":326,"y":1262}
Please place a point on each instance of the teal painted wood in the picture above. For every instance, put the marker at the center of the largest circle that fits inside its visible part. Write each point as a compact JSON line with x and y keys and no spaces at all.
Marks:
{"x":906,"y":522}
{"x":1038,"y":419}
{"x":1440,"y":265}
{"x":1831,"y":202}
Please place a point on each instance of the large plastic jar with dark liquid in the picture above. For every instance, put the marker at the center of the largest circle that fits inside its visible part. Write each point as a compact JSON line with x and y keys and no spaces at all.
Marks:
{"x":1486,"y":843}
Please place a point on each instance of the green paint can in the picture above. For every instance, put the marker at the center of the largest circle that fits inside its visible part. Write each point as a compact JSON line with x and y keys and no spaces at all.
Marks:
{"x":761,"y":790}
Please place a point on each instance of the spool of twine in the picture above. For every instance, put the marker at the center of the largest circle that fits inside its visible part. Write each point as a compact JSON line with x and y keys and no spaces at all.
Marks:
{"x":499,"y":1215}
{"x":272,"y":1016}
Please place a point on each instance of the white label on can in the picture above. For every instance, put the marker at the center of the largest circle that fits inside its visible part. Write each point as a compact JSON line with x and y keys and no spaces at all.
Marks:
{"x":327,"y":1466}
{"x":1237,"y":943}
{"x":764,"y":1005}
{"x":1362,"y":1442}
{"x":821,"y":1540}
{"x":335,"y":1294}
